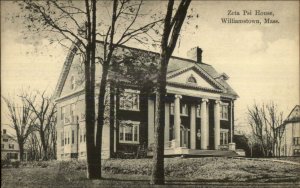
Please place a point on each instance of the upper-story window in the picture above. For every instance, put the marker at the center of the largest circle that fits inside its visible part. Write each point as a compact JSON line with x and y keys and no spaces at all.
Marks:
{"x":191,"y":80}
{"x":73,"y":83}
{"x":224,"y":111}
{"x":129,"y":100}
{"x":198,"y":111}
{"x":172,"y":108}
{"x":129,"y":132}
{"x":5,"y":140}
{"x":184,"y":110}
{"x":11,"y":146}
{"x":2,"y":146}
{"x":72,"y":112}
{"x":63,"y":112}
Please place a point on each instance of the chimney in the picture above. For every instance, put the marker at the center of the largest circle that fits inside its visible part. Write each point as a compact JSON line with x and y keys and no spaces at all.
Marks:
{"x":195,"y":54}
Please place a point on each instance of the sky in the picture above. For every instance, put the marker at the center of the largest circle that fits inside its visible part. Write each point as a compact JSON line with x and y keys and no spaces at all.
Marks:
{"x":262,"y":60}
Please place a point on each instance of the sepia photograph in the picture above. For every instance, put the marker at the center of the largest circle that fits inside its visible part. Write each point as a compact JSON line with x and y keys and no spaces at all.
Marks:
{"x":150,"y":93}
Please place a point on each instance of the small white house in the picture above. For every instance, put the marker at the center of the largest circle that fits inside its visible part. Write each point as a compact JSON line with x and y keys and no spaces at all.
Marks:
{"x":9,"y":147}
{"x":290,"y":142}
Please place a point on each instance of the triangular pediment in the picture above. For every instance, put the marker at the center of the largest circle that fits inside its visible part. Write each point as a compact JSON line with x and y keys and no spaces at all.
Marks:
{"x":192,"y":76}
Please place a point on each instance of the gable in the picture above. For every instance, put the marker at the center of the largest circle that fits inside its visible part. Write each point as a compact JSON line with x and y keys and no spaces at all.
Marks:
{"x":189,"y":76}
{"x":295,"y":114}
{"x":74,"y":78}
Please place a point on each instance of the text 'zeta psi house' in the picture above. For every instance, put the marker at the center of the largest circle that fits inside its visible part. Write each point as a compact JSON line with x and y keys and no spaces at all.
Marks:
{"x":199,"y":108}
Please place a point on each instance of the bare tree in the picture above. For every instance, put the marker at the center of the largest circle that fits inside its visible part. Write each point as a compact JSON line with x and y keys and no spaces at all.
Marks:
{"x":265,"y":121}
{"x":171,"y":31}
{"x":34,"y":147}
{"x":78,"y":25}
{"x":22,"y":120}
{"x":44,"y":110}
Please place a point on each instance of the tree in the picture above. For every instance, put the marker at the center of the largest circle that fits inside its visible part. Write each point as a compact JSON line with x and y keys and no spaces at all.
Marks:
{"x":265,"y":121}
{"x":171,"y":30}
{"x":79,"y":26}
{"x":22,"y":120}
{"x":44,"y":110}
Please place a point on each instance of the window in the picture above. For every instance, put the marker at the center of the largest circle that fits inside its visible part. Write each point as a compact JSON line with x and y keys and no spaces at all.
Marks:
{"x":12,"y":155}
{"x":172,"y":108}
{"x":129,"y":132}
{"x":297,"y":152}
{"x":68,"y":137}
{"x":80,"y":135}
{"x":129,"y":100}
{"x":11,"y":146}
{"x":192,"y":80}
{"x":73,"y":82}
{"x":4,"y":131}
{"x":2,"y":146}
{"x":5,"y":140}
{"x":184,"y":110}
{"x":73,"y":136}
{"x":63,"y":112}
{"x":84,"y":137}
{"x":224,"y":112}
{"x":72,"y":112}
{"x":82,"y":116}
{"x":65,"y":138}
{"x":62,"y":138}
{"x":224,"y":137}
{"x":296,"y":140}
{"x":198,"y":111}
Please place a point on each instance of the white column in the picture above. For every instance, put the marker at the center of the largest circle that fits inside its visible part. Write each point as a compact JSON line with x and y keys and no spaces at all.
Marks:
{"x":177,"y":120}
{"x":115,"y":120}
{"x":167,"y":122}
{"x":204,"y":126}
{"x":150,"y":122}
{"x":217,"y":124}
{"x":231,"y":123}
{"x":193,"y":126}
{"x":207,"y":130}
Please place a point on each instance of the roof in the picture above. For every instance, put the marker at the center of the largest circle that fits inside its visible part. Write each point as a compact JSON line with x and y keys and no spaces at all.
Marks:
{"x":176,"y":64}
{"x":294,"y":115}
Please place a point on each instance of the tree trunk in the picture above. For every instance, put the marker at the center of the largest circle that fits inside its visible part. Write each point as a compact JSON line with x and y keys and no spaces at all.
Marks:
{"x":92,"y":166}
{"x":158,"y":152}
{"x":44,"y":145}
{"x":21,"y":148}
{"x":170,"y":35}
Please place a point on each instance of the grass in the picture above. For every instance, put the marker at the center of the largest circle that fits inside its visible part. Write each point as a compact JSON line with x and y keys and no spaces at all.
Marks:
{"x":129,"y":172}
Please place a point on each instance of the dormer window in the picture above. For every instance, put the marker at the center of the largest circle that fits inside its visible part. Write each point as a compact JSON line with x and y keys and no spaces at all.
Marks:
{"x":192,"y":80}
{"x":73,"y":83}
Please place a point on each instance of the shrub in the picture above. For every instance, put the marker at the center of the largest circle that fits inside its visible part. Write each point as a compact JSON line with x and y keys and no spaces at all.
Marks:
{"x":5,"y":162}
{"x":15,"y":164}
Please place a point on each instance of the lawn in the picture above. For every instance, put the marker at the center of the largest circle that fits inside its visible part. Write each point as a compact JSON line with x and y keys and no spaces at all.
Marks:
{"x":135,"y":172}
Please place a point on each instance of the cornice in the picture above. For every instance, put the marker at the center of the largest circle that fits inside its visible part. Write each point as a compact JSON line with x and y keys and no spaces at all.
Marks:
{"x":181,"y":85}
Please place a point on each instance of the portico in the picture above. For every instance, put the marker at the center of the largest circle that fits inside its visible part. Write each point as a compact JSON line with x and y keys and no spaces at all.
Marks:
{"x":193,"y":123}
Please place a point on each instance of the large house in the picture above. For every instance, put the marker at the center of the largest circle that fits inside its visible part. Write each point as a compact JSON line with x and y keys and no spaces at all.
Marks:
{"x":199,"y":109}
{"x":289,"y":144}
